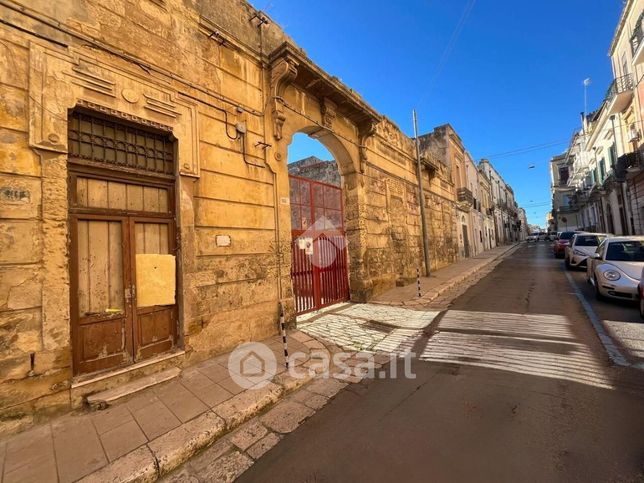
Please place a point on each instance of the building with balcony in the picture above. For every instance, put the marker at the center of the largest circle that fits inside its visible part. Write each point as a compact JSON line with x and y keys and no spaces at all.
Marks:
{"x":598,"y":183}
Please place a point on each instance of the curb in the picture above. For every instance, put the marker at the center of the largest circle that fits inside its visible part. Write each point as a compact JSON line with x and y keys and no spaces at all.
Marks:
{"x":631,"y":360}
{"x":159,"y":457}
{"x":613,"y":351}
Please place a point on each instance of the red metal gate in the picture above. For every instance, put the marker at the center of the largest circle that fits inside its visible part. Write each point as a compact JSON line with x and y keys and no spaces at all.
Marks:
{"x":319,"y":248}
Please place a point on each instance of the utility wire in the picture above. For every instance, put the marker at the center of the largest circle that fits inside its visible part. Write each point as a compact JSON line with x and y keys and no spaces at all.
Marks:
{"x":448,"y":49}
{"x":526,"y":149}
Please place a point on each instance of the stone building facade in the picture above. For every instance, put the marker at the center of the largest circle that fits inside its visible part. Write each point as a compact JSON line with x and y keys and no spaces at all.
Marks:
{"x":145,"y":200}
{"x":472,"y":197}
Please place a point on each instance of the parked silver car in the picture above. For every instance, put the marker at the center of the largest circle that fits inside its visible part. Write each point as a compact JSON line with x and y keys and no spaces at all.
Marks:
{"x":616,"y":267}
{"x":582,"y":245}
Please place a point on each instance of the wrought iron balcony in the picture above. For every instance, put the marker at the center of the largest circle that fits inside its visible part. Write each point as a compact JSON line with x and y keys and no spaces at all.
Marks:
{"x":619,"y":94}
{"x":628,"y":165}
{"x":465,"y":196}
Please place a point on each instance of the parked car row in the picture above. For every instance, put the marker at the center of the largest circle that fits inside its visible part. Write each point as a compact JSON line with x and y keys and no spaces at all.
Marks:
{"x":541,"y":236}
{"x":614,"y":264}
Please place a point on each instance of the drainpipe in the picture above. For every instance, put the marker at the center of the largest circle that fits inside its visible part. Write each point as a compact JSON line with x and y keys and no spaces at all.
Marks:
{"x":421,"y":198}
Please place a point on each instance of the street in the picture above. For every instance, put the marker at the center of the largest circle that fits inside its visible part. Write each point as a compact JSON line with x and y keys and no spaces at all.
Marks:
{"x":512,"y":384}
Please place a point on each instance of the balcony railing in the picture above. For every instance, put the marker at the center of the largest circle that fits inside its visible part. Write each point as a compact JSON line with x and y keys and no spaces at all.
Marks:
{"x":568,"y":209}
{"x":465,"y":196}
{"x":628,"y":165}
{"x":619,"y":86}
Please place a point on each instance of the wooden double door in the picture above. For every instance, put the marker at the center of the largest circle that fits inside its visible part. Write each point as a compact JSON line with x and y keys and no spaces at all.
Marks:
{"x":123,"y":272}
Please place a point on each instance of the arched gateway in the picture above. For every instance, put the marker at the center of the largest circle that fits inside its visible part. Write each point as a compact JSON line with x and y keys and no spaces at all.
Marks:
{"x":327,"y":242}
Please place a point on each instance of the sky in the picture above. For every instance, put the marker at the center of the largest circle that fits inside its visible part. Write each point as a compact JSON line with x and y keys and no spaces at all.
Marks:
{"x":506,"y":75}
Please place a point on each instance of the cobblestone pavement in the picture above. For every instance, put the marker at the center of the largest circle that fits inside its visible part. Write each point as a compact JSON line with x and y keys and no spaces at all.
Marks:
{"x":370,"y":327}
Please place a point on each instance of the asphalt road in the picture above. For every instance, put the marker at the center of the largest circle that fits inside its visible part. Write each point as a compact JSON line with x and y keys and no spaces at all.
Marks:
{"x":511,"y":385}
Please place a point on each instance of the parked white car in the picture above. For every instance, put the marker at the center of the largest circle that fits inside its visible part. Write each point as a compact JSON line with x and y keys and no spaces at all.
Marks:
{"x":615,"y":269}
{"x":533,"y":237}
{"x":582,"y":246}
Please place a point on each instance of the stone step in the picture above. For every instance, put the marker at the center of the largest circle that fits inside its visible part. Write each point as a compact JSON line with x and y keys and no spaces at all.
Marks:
{"x":103,"y":399}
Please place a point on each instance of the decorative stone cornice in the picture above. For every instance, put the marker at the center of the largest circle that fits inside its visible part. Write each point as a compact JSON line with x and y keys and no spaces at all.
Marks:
{"x":290,"y":65}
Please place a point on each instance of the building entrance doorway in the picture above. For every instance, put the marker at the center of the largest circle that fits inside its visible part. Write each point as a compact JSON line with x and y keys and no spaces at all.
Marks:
{"x":122,"y":231}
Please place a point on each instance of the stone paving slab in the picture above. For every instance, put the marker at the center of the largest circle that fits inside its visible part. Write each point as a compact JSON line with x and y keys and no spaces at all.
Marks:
{"x":199,"y":427}
{"x":153,"y":431}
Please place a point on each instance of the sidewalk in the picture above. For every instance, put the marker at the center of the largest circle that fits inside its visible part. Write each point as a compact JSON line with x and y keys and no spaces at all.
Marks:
{"x":206,"y":417}
{"x":203,"y":415}
{"x":149,"y":434}
{"x":441,"y":280}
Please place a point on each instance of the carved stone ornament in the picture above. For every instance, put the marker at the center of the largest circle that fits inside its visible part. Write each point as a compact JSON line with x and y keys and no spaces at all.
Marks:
{"x":391,"y":133}
{"x":283,"y":72}
{"x":328,"y":108}
{"x":364,"y":132}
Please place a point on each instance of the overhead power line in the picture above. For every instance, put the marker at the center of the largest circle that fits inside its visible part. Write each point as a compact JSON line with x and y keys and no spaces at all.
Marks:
{"x":449,"y":48}
{"x":526,"y":149}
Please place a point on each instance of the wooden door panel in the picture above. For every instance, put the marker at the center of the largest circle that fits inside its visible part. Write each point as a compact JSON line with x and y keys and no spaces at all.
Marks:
{"x":116,"y":195}
{"x":102,"y":339}
{"x":155,"y":326}
{"x":100,"y":318}
{"x":155,"y":331}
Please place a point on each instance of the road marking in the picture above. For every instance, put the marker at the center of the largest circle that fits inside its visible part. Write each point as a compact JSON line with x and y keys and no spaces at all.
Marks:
{"x":611,"y":348}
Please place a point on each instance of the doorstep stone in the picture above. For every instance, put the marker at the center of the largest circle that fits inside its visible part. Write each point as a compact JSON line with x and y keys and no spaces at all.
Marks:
{"x":103,"y":399}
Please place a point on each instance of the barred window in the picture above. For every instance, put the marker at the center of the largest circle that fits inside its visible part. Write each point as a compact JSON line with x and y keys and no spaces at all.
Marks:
{"x":118,"y":144}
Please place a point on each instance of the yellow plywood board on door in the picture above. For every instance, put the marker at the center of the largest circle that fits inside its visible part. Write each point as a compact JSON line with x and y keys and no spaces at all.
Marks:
{"x":155,"y":279}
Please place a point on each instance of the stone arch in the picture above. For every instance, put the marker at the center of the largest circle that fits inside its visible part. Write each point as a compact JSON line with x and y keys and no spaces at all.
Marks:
{"x":352,"y":191}
{"x":307,"y":100}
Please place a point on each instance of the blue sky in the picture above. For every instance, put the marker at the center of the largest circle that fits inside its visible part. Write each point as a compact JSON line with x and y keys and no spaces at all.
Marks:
{"x":512,"y":77}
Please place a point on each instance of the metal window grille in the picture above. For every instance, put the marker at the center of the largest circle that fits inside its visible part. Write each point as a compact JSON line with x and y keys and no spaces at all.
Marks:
{"x":119,"y":145}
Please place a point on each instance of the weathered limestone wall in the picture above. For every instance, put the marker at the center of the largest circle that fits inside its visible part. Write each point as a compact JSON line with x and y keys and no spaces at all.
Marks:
{"x":198,"y":69}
